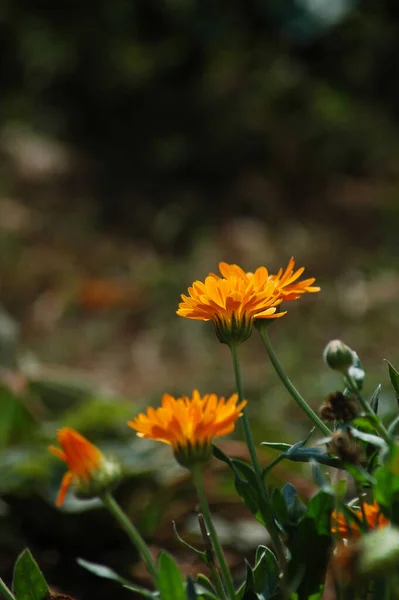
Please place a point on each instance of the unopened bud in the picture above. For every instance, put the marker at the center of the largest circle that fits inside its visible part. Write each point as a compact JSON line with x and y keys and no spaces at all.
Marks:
{"x":346,"y":448}
{"x":379,"y":553}
{"x":339,"y":356}
{"x":103,"y":479}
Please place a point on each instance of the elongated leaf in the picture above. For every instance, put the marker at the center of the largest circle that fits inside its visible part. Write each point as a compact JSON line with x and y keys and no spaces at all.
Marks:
{"x":394,"y":377}
{"x":28,"y":581}
{"x":136,"y":589}
{"x":247,"y":487}
{"x":298,"y":453}
{"x":319,"y":477}
{"x":393,"y":426}
{"x":265,"y":573}
{"x":374,"y":400}
{"x":103,"y":571}
{"x":199,"y":553}
{"x":249,"y":579}
{"x":279,"y":506}
{"x":170,"y":580}
{"x":387,"y":486}
{"x":375,"y":440}
{"x":295,"y":507}
{"x":190,"y":589}
{"x":205,"y":588}
{"x":220,"y":455}
{"x":310,"y":547}
{"x":277,"y":446}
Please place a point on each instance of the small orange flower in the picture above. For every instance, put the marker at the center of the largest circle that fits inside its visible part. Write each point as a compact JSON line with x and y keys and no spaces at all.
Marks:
{"x":189,"y":424}
{"x":82,"y":457}
{"x":236,"y":299}
{"x":375,"y":519}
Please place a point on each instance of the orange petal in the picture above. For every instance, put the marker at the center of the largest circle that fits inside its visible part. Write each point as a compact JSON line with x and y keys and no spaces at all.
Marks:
{"x":65,"y":483}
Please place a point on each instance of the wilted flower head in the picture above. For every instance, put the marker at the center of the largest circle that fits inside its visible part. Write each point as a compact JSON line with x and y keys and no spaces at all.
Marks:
{"x":372,"y":513}
{"x":88,"y":469}
{"x":339,"y":407}
{"x":189,"y":424}
{"x":235,"y":299}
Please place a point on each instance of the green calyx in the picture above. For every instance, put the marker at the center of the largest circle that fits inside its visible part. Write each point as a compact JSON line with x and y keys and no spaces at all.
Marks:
{"x":236,"y":332}
{"x":102,"y":480}
{"x":193,"y":454}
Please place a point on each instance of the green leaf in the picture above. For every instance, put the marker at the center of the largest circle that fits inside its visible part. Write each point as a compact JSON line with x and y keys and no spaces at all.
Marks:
{"x":190,"y":589}
{"x":319,"y":477}
{"x":298,"y":453}
{"x":142,"y":591}
{"x":199,"y":553}
{"x":295,"y":507}
{"x":393,"y":426}
{"x":266,"y":572}
{"x":374,"y":400}
{"x":170,"y":579}
{"x":249,"y":580}
{"x":309,"y":546}
{"x":246,"y":486}
{"x":277,"y":446}
{"x":386,"y":490}
{"x":375,"y":440}
{"x":205,"y":588}
{"x":279,"y":506}
{"x":220,"y":455}
{"x":28,"y":581}
{"x":394,"y":377}
{"x":103,"y":571}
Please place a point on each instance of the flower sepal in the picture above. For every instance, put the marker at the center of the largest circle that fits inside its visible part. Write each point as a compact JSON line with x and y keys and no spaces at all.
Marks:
{"x":235,"y":332}
{"x":190,"y":455}
{"x":104,"y":479}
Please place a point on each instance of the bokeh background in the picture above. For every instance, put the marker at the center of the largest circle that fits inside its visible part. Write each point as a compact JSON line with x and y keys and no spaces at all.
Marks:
{"x":141,"y":142}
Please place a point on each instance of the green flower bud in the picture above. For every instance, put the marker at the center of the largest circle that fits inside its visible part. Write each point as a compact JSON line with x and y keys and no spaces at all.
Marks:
{"x":378,"y":553}
{"x":339,"y":356}
{"x":104,"y":479}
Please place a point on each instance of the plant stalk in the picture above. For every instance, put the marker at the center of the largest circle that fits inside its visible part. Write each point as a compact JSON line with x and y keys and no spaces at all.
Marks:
{"x":377,"y":423}
{"x":290,"y":386}
{"x":131,"y":531}
{"x":262,"y":486}
{"x":198,"y":479}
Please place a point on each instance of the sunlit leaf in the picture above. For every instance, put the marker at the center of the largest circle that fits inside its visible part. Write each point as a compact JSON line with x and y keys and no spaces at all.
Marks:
{"x":170,"y":579}
{"x":394,"y":377}
{"x":28,"y":581}
{"x":103,"y":571}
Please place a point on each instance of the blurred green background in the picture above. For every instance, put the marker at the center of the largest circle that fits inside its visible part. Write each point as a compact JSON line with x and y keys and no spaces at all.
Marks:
{"x":141,"y":142}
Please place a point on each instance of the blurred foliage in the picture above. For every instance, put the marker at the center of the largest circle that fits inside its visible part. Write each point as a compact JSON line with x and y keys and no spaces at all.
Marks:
{"x":180,"y":112}
{"x":179,"y":100}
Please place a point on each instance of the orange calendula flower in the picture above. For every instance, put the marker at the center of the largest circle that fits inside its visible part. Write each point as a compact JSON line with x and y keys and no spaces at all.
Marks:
{"x":234,"y":300}
{"x":189,"y":424}
{"x":374,"y":517}
{"x":88,"y":468}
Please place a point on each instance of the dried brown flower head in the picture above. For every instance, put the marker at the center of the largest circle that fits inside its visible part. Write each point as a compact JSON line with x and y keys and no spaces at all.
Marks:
{"x":339,"y":407}
{"x":346,"y":448}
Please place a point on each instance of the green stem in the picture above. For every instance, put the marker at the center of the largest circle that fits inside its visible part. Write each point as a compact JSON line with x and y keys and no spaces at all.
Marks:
{"x":198,"y":479}
{"x":376,"y":421}
{"x":5,"y":592}
{"x":210,"y":558}
{"x":217,"y":580}
{"x":262,"y":487}
{"x":290,"y":386}
{"x":134,"y":536}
